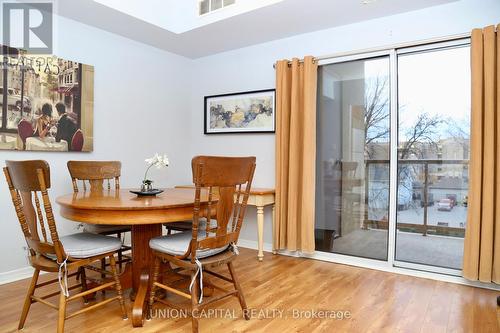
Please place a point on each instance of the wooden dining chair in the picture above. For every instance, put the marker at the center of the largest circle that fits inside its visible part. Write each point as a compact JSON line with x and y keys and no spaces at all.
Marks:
{"x":51,"y":253}
{"x":98,"y":176}
{"x":214,"y":244}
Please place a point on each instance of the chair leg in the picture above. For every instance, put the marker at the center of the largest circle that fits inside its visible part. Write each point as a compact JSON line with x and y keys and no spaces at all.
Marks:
{"x":118,"y":286}
{"x":103,"y":275}
{"x":194,"y":304}
{"x":62,"y":313}
{"x":120,"y":259}
{"x":83,"y":276}
{"x":152,"y":287}
{"x":27,"y":301}
{"x":237,"y":286}
{"x":120,"y":252}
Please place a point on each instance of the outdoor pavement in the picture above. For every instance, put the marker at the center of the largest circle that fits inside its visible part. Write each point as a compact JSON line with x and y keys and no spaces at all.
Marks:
{"x":455,"y":218}
{"x":410,"y":247}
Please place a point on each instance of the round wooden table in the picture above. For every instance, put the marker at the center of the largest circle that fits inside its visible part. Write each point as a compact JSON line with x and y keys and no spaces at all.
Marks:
{"x":145,"y":214}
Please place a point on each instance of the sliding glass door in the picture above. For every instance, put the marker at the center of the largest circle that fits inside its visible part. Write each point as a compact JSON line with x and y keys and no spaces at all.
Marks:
{"x":402,"y":200}
{"x":433,"y":154}
{"x":352,"y":192}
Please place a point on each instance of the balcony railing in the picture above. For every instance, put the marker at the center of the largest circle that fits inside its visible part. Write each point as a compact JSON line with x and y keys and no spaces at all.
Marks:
{"x":426,"y":201}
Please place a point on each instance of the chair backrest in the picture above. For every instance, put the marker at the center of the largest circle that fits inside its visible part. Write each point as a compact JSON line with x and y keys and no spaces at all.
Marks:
{"x":77,"y":141}
{"x":95,"y":173}
{"x":26,"y":179}
{"x":232,"y":177}
{"x":25,"y":130}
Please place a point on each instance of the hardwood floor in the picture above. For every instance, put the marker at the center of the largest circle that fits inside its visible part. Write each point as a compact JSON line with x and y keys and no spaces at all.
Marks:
{"x":376,"y":302}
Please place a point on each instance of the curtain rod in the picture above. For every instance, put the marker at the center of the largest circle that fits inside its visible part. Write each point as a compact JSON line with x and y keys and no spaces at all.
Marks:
{"x":388,"y":47}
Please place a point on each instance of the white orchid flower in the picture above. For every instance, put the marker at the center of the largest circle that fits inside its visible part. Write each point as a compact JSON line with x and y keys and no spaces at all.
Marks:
{"x":159,"y":161}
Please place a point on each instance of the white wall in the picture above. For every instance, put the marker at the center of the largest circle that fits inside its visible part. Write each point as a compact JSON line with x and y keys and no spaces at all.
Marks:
{"x":251,"y":68}
{"x":140,"y":108}
{"x":147,"y":100}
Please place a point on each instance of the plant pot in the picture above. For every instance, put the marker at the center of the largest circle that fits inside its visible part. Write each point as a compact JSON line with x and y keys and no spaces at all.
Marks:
{"x":146,"y":187}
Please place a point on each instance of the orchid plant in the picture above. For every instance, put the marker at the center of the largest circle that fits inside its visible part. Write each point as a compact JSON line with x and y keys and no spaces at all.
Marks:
{"x":158,"y":161}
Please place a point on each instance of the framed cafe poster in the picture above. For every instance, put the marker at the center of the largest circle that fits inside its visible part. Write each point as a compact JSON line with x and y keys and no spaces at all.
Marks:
{"x":46,"y":103}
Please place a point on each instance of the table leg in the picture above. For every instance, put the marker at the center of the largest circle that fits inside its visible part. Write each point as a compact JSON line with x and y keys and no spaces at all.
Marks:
{"x":260,"y":230}
{"x":126,"y":276}
{"x":139,"y":307}
{"x":142,"y":259}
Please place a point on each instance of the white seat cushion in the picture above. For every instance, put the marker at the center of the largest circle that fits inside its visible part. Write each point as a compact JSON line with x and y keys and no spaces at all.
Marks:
{"x":84,"y":244}
{"x":177,"y":244}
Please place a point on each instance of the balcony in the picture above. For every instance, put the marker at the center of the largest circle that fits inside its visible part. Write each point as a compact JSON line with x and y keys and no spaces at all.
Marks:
{"x":427,"y":232}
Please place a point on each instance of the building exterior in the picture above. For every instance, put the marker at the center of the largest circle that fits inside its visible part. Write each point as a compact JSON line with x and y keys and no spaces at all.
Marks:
{"x":67,"y":83}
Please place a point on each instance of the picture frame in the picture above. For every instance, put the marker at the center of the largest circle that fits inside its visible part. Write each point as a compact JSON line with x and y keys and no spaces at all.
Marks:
{"x":240,"y":112}
{"x":47,"y":104}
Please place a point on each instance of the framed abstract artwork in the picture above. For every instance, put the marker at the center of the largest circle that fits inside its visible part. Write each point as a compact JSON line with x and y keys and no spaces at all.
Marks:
{"x":46,"y":103}
{"x":243,"y":112}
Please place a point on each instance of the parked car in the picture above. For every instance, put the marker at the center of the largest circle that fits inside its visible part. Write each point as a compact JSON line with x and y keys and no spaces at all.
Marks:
{"x":445,"y":205}
{"x":26,"y":104}
{"x":14,"y":100}
{"x":453,"y":198}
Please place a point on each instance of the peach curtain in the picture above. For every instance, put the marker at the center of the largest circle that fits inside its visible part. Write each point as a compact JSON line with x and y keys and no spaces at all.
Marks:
{"x":482,"y":235}
{"x":295,"y":154}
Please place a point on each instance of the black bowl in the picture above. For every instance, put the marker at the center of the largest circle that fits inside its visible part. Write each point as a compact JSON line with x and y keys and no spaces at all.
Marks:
{"x":147,"y":193}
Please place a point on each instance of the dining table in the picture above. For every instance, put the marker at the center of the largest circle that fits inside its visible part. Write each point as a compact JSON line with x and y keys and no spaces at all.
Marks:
{"x":145,"y":215}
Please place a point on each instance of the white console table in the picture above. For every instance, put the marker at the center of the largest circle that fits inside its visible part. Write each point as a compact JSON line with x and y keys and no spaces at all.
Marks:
{"x":259,"y":198}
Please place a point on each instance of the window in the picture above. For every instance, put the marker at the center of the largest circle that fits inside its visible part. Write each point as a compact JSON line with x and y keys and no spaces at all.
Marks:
{"x":14,"y":104}
{"x":208,"y":6}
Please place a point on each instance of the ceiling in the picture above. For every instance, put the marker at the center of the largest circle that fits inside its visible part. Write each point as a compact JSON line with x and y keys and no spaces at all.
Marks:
{"x":274,"y":20}
{"x":180,"y":16}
